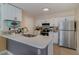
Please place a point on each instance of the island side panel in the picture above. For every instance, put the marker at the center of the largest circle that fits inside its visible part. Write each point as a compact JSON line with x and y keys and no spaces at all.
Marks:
{"x":50,"y":48}
{"x":18,"y":48}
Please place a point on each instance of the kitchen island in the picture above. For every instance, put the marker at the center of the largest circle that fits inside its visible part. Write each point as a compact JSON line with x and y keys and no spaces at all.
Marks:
{"x":40,"y":43}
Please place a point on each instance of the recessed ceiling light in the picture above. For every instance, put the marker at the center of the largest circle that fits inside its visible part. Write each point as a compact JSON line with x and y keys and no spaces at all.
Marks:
{"x":45,"y":9}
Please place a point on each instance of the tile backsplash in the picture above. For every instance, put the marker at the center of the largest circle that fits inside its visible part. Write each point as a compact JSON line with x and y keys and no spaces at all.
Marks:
{"x":9,"y":25}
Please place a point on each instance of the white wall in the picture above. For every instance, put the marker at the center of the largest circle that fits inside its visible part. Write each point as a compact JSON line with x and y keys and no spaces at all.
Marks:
{"x":53,"y":17}
{"x":64,"y":13}
{"x":27,"y":21}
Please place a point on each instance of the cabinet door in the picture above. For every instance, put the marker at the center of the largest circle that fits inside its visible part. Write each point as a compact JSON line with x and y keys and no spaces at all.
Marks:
{"x":11,"y":12}
{"x":18,"y":14}
{"x":0,"y":10}
{"x":0,"y":17}
{"x":2,"y":44}
{"x":15,"y":13}
{"x":7,"y":12}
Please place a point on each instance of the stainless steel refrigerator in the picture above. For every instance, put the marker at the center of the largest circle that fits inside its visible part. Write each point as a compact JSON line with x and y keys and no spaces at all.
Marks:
{"x":67,"y":34}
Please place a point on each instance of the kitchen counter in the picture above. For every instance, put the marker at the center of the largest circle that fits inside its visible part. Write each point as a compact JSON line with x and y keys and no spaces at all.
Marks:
{"x":39,"y":41}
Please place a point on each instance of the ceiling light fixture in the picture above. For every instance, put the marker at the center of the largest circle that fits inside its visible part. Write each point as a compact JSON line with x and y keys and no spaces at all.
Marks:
{"x":45,"y":9}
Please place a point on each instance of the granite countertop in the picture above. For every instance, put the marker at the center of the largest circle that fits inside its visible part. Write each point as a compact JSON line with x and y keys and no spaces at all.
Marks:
{"x":37,"y":41}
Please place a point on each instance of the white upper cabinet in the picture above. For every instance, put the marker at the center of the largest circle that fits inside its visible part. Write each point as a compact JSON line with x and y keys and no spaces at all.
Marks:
{"x":11,"y":12}
{"x":18,"y":14}
{"x":0,"y":10}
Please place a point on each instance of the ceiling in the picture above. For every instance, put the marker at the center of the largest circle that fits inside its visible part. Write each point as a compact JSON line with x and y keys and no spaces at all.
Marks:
{"x":35,"y":9}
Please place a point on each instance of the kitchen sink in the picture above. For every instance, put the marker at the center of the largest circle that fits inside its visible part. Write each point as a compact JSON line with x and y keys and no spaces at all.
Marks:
{"x":28,"y":35}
